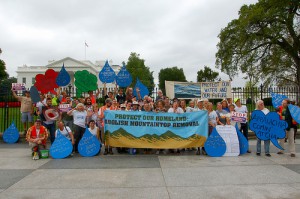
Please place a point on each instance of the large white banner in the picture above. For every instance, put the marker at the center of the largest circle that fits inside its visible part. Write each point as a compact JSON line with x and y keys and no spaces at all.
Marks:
{"x":188,"y":90}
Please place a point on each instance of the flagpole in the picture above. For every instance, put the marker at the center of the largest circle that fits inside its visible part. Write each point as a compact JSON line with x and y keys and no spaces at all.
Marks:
{"x":84,"y":50}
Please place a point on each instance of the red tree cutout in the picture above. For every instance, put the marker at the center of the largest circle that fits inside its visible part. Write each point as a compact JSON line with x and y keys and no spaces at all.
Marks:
{"x":46,"y":83}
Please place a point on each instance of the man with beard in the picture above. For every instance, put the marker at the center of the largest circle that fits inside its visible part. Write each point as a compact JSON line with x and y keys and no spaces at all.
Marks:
{"x":107,"y":106}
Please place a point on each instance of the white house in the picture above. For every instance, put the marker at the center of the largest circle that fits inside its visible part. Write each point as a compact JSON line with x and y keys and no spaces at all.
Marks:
{"x":26,"y":74}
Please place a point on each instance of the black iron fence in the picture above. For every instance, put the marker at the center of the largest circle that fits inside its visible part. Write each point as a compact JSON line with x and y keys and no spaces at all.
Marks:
{"x":10,"y":108}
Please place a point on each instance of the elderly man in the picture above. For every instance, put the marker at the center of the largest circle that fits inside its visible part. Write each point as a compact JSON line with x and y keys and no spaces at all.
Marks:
{"x":37,"y":136}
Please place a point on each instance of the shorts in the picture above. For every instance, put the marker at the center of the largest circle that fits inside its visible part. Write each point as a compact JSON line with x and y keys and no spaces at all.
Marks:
{"x":26,"y":117}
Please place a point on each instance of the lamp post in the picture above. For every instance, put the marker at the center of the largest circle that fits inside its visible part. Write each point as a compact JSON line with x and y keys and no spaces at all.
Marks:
{"x":70,"y":86}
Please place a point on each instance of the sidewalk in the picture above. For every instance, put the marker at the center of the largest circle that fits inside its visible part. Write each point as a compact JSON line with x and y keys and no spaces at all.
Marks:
{"x":149,"y":176}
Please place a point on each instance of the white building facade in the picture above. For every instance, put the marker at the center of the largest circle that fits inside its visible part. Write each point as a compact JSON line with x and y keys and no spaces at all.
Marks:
{"x":26,"y":74}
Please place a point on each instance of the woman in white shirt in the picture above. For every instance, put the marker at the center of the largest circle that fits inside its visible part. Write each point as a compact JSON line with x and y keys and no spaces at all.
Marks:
{"x":65,"y":131}
{"x":95,"y":131}
{"x":79,"y":117}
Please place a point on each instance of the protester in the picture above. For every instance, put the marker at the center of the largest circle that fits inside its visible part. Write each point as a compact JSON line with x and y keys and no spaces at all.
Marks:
{"x":79,"y":116}
{"x":182,"y":105}
{"x":88,"y":103}
{"x":260,"y":106}
{"x":107,"y":106}
{"x":212,"y":118}
{"x":167,"y":104}
{"x":200,"y":105}
{"x":36,"y":137}
{"x":135,"y":106}
{"x":110,"y":94}
{"x":239,"y":108}
{"x":160,"y":95}
{"x":121,"y":97}
{"x":93,"y":97}
{"x":129,"y":94}
{"x":286,"y":115}
{"x":191,"y":107}
{"x":295,"y":124}
{"x":205,"y":103}
{"x":61,"y":96}
{"x":92,"y":114}
{"x":95,"y":131}
{"x":225,"y":105}
{"x":175,"y":108}
{"x":67,"y":119}
{"x":26,"y":108}
{"x":223,"y":117}
{"x":160,"y":106}
{"x":65,"y":131}
{"x":49,"y":118}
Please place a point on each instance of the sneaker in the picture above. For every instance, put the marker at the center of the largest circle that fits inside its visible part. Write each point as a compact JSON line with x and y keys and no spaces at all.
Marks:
{"x":293,"y":155}
{"x":279,"y":152}
{"x":268,"y":154}
{"x":258,"y":154}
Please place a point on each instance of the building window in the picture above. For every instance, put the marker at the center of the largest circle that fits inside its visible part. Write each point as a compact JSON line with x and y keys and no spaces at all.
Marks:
{"x":24,"y":80}
{"x":33,"y":80}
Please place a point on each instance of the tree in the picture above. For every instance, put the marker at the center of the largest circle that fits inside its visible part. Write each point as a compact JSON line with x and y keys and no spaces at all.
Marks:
{"x":170,"y":74}
{"x":136,"y":67}
{"x":5,"y":84}
{"x":3,"y":73}
{"x":207,"y":75}
{"x":263,"y":42}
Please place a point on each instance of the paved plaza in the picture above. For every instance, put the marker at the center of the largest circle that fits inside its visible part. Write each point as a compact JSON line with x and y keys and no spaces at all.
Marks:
{"x":148,"y":176}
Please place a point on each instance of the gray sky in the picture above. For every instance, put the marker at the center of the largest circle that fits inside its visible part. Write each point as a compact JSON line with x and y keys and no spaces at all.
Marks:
{"x":165,"y":33}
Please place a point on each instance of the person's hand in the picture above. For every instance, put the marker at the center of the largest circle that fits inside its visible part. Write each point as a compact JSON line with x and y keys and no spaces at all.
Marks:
{"x":137,"y":89}
{"x":39,"y":141}
{"x":73,"y":142}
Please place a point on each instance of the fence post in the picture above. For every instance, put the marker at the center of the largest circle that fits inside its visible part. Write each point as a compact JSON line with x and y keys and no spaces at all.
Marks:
{"x":261,"y":91}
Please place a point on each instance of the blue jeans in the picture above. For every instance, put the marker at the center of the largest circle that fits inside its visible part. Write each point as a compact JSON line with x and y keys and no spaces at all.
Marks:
{"x":267,"y":146}
{"x":51,"y":129}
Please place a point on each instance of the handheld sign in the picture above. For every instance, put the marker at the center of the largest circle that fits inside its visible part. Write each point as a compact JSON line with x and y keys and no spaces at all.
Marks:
{"x":243,"y":142}
{"x":215,"y":145}
{"x":89,"y":145}
{"x":277,"y":99}
{"x":229,"y":135}
{"x":18,"y":86}
{"x":11,"y":134}
{"x":143,"y":89}
{"x":64,"y":107}
{"x":295,"y":112}
{"x":123,"y":78}
{"x":238,"y":117}
{"x":84,"y":82}
{"x":61,"y":147}
{"x":34,"y":95}
{"x":268,"y":127}
{"x":46,"y":83}
{"x":107,"y":74}
{"x":63,"y":78}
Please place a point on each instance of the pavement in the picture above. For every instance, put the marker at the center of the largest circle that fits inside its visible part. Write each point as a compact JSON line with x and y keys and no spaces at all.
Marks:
{"x":149,"y":176}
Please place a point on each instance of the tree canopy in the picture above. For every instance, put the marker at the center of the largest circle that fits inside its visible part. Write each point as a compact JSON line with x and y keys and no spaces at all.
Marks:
{"x":207,"y":75}
{"x":136,"y":66}
{"x":170,"y":74}
{"x":3,"y":73}
{"x":263,"y":42}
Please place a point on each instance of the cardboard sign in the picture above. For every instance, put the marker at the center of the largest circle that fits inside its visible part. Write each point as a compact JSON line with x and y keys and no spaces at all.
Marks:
{"x":215,"y":146}
{"x":107,"y":74}
{"x":64,"y":107}
{"x":46,"y":83}
{"x":277,"y":99}
{"x":34,"y":95}
{"x":295,"y":112}
{"x":61,"y":147}
{"x":18,"y":86}
{"x":143,"y":89}
{"x":89,"y":145}
{"x":243,"y":142}
{"x":268,"y":127}
{"x":238,"y":117}
{"x":123,"y":78}
{"x":11,"y":134}
{"x":229,"y":135}
{"x":63,"y":78}
{"x":84,"y":82}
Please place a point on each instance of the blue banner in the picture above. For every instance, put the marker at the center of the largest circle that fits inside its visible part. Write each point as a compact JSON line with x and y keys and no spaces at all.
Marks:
{"x":277,"y":99}
{"x":155,"y":130}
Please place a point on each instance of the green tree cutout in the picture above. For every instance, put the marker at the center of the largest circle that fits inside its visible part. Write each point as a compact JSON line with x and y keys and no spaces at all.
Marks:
{"x":170,"y":74}
{"x":3,"y":73}
{"x":136,"y":67}
{"x":207,"y":75}
{"x":265,"y":39}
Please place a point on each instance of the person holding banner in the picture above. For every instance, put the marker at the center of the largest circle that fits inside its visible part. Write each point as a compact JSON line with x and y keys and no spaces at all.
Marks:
{"x":26,"y":108}
{"x":79,"y":118}
{"x":64,"y":108}
{"x":286,"y":115}
{"x":182,"y":105}
{"x":261,"y":106}
{"x":65,"y":131}
{"x":191,"y":107}
{"x":239,"y":108}
{"x":200,"y":105}
{"x":95,"y":131}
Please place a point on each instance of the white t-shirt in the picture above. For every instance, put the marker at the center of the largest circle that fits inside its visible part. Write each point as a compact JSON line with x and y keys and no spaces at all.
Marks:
{"x":178,"y":110}
{"x":212,"y":117}
{"x":189,"y":109}
{"x":265,"y":111}
{"x":79,"y":117}
{"x":65,"y":132}
{"x":242,"y":109}
{"x":94,"y":131}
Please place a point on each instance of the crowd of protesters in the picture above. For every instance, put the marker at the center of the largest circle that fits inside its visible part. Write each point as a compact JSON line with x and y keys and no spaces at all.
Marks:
{"x":81,"y":113}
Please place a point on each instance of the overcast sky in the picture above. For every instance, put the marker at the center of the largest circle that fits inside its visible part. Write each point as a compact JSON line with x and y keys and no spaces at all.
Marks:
{"x":165,"y":33}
